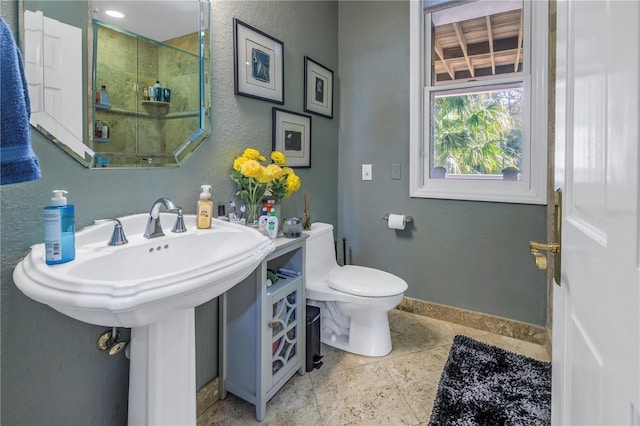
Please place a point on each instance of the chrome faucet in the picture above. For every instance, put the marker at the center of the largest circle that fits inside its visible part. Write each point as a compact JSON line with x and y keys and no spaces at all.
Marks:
{"x":154,"y":227}
{"x":117,"y":238}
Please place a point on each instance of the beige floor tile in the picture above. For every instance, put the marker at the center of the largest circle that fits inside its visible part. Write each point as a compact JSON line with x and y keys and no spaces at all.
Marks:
{"x":411,"y":332}
{"x":214,"y":415}
{"x":238,"y":411}
{"x":521,"y":347}
{"x":417,"y":376}
{"x":356,"y":390}
{"x":294,"y":404}
{"x":354,"y":385}
{"x":385,"y":409}
{"x":361,"y":395}
{"x":207,"y":396}
{"x":335,"y":360}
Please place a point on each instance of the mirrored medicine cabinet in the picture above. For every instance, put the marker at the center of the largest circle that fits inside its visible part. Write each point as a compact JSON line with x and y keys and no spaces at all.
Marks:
{"x":119,"y":92}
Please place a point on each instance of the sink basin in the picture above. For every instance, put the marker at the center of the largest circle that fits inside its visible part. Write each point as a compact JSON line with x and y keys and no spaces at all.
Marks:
{"x":153,"y":286}
{"x":135,"y":284}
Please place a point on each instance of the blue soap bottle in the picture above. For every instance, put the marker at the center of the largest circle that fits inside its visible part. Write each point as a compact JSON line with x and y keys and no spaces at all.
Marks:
{"x":59,"y":230}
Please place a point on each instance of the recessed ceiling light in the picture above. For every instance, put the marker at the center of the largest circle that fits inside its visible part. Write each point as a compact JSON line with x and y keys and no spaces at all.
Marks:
{"x":114,"y":14}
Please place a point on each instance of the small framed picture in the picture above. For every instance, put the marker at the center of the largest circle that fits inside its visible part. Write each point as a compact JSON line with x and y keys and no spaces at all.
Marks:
{"x":259,"y":64}
{"x":318,"y":88}
{"x":292,"y":136}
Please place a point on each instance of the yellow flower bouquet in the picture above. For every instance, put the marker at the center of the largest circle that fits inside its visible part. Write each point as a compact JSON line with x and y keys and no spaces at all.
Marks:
{"x":256,"y":180}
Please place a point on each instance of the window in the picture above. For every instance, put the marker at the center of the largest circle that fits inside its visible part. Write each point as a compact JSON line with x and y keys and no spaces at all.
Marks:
{"x":479,"y":101}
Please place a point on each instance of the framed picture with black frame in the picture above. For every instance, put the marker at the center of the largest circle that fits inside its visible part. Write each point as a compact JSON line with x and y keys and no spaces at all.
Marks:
{"x":292,"y":136}
{"x":318,"y":88}
{"x":258,"y":64}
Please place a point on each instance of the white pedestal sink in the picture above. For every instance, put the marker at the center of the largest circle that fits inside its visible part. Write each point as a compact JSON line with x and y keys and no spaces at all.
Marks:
{"x":152,"y":286}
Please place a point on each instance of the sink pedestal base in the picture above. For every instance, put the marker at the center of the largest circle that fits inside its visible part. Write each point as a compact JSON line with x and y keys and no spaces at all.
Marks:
{"x":162,"y":374}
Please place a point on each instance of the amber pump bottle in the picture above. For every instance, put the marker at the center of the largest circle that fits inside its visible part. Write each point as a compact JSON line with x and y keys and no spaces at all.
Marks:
{"x":205,"y":208}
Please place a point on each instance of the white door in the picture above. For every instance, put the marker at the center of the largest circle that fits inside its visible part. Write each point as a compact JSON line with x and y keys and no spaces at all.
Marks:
{"x":596,"y":330}
{"x":62,"y":62}
{"x":33,"y":67}
{"x":53,"y":68}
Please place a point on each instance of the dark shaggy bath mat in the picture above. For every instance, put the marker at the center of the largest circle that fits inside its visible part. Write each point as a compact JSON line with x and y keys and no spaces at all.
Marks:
{"x":485,"y":385}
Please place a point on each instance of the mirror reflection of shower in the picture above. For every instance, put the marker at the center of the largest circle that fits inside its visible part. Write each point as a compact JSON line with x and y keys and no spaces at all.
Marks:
{"x":60,"y":46}
{"x":147,"y":97}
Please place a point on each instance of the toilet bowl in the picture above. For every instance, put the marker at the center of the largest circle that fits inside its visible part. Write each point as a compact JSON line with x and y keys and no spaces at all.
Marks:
{"x":354,"y":300}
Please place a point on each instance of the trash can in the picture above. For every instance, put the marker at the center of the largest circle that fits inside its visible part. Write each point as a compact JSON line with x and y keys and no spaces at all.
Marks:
{"x":313,"y":338}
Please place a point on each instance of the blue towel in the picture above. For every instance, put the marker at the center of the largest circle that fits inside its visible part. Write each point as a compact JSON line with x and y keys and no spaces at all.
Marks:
{"x":18,"y":162}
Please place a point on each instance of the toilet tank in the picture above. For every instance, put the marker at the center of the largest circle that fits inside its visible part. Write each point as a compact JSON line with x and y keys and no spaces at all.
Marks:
{"x":320,"y":251}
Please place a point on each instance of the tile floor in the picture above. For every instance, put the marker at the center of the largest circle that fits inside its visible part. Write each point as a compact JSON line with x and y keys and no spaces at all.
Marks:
{"x":356,"y":390}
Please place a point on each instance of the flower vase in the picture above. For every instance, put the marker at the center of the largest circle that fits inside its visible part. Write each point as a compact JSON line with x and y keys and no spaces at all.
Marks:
{"x":253,"y":213}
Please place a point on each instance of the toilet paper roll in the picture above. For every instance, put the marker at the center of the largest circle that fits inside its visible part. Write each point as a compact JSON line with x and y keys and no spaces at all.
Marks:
{"x":397,"y":221}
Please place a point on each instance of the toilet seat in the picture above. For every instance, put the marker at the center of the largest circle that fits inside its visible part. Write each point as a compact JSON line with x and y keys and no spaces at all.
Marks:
{"x":366,"y":282}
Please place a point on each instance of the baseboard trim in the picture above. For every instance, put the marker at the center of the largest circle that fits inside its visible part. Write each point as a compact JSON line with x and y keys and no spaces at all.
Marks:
{"x":478,"y":320}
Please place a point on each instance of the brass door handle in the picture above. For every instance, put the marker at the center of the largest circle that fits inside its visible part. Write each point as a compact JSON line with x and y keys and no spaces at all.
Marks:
{"x":536,"y":248}
{"x":541,"y":259}
{"x":551,"y":247}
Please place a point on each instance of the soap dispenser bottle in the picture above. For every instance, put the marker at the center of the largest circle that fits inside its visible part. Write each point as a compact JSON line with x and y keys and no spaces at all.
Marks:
{"x":205,"y":208}
{"x":59,"y":230}
{"x":272,"y":225}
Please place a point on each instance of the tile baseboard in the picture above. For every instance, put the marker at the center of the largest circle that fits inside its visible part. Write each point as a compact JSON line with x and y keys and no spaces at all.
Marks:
{"x":494,"y":324}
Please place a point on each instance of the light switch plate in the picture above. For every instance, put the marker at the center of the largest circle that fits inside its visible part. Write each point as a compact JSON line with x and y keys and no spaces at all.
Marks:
{"x":367,"y":172}
{"x":395,"y":172}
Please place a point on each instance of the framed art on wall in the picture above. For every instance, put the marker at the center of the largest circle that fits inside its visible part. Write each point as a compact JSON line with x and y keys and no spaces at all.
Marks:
{"x":318,"y":88}
{"x":292,"y":136}
{"x":258,"y":64}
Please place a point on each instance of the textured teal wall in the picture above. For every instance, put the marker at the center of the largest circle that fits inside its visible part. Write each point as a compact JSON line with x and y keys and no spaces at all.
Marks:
{"x":471,"y":255}
{"x":52,"y":372}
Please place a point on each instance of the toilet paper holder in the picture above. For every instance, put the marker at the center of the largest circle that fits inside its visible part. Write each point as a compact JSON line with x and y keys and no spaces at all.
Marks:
{"x":408,"y":219}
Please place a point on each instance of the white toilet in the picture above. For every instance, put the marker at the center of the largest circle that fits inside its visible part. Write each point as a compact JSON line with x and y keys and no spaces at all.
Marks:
{"x":353,"y":300}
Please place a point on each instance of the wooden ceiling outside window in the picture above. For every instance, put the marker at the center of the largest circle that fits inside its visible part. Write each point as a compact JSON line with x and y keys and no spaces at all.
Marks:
{"x":479,"y":47}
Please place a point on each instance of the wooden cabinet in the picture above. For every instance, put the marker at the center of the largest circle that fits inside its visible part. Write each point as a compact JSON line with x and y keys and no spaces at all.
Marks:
{"x":262,"y":328}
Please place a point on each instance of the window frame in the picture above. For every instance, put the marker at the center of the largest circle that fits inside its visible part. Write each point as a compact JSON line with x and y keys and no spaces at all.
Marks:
{"x":532,"y":189}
